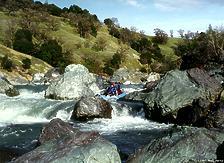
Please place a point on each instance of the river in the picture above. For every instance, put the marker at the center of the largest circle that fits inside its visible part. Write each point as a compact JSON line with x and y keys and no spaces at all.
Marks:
{"x":22,"y":118}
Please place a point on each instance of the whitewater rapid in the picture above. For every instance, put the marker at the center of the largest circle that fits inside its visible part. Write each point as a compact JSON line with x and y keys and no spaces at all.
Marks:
{"x":31,"y":107}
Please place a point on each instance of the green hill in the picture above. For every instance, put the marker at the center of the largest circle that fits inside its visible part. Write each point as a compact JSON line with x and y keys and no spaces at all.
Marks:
{"x":78,"y":49}
{"x":18,"y":72}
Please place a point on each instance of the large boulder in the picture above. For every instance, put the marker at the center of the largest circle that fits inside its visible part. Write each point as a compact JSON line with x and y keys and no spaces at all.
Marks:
{"x":124,"y":75}
{"x":153,"y":76}
{"x":204,"y":80}
{"x":181,"y":145}
{"x":38,"y":78}
{"x":7,"y":88}
{"x":52,"y":75}
{"x":182,"y":97}
{"x":54,"y":130}
{"x":217,"y":117}
{"x":72,"y":146}
{"x":91,"y":107}
{"x":220,"y":152}
{"x":75,"y":83}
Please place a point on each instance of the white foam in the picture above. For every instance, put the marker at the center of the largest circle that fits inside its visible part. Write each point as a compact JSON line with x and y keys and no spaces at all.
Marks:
{"x":121,"y":121}
{"x":27,"y":94}
{"x":64,"y":115}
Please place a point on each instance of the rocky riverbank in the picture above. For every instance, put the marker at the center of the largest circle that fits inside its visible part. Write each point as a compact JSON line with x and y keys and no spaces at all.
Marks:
{"x":191,"y":100}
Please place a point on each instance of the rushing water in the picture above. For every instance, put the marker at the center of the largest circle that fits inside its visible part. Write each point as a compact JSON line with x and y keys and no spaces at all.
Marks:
{"x":22,"y":117}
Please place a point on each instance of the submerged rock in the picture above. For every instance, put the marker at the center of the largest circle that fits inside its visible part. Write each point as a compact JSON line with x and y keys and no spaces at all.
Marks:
{"x":7,"y":88}
{"x":75,"y":83}
{"x":7,"y":156}
{"x":92,"y":107}
{"x":181,"y":145}
{"x":72,"y":146}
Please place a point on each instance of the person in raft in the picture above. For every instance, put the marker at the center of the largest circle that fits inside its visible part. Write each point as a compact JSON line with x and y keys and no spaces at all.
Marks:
{"x":114,"y":89}
{"x":111,"y":90}
{"x":118,"y":88}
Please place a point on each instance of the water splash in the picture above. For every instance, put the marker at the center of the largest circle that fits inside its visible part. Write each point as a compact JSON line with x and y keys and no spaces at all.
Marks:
{"x":124,"y":118}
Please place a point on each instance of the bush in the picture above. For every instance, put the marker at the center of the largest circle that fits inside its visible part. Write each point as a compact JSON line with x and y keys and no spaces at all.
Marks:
{"x":143,"y":70}
{"x":108,"y":68}
{"x":7,"y":63}
{"x":100,"y":44}
{"x":113,"y":31}
{"x":26,"y":63}
{"x":93,"y":65}
{"x":115,"y":62}
{"x":51,"y":52}
{"x":23,"y":46}
{"x":23,"y":41}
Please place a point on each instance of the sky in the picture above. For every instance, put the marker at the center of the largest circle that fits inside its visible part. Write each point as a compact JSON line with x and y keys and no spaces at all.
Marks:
{"x":193,"y":15}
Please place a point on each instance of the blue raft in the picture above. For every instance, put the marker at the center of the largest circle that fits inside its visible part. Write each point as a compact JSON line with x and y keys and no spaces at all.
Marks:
{"x":108,"y":97}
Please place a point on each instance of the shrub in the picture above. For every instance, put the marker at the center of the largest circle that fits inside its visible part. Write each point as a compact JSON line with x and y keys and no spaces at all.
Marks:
{"x":51,"y":52}
{"x":26,"y":63}
{"x":100,"y":44}
{"x":93,"y":65}
{"x":143,"y":70}
{"x":7,"y":63}
{"x":23,"y":46}
{"x":108,"y":68}
{"x":23,"y":41}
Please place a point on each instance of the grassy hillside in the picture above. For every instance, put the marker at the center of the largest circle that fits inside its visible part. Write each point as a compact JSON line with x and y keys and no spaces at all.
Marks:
{"x":18,"y":73}
{"x":81,"y":49}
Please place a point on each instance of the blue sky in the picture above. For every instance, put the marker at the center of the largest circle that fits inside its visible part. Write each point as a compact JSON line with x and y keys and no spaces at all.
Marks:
{"x":194,"y":15}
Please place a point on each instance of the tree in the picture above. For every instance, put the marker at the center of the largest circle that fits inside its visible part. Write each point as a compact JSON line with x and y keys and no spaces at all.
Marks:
{"x":114,"y":32}
{"x":146,"y":58}
{"x":11,"y":6}
{"x":10,"y":32}
{"x":171,"y":33}
{"x":108,"y":22}
{"x":189,"y":35}
{"x":202,"y":49}
{"x":23,"y":41}
{"x":143,"y":45}
{"x":142,"y":32}
{"x":116,"y":61}
{"x":181,"y":33}
{"x":194,"y":52}
{"x":54,"y":10}
{"x":126,"y":35}
{"x":133,"y":29}
{"x":85,"y":26}
{"x":216,"y":44}
{"x":161,"y":37}
{"x":51,"y":52}
{"x":115,"y":21}
{"x":75,"y":9}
